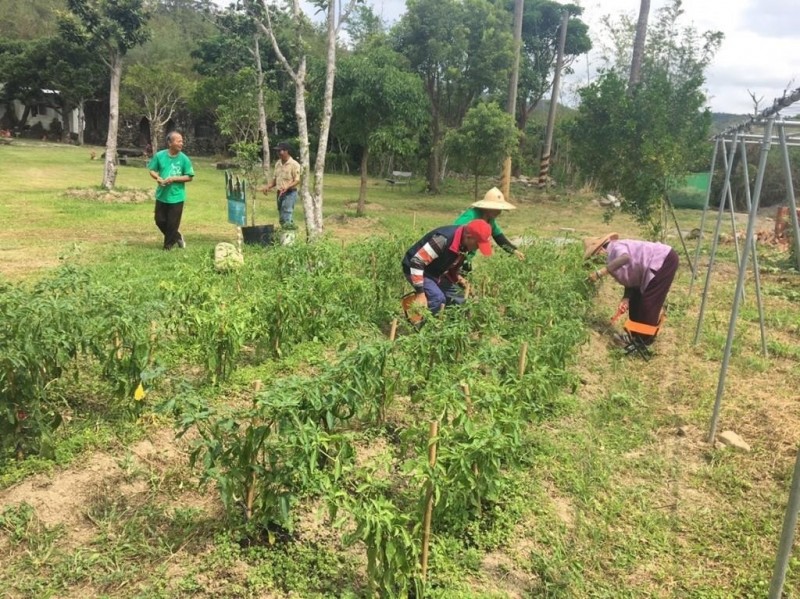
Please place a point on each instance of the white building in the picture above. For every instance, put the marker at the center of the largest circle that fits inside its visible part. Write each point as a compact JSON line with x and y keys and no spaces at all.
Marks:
{"x":42,"y":112}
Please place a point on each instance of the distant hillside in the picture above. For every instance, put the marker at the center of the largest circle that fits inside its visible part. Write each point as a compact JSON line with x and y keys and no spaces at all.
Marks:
{"x":722,"y":120}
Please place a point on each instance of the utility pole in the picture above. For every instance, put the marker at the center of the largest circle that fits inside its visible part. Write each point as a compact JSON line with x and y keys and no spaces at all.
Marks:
{"x":511,"y":106}
{"x":544,"y":165}
{"x":638,"y":46}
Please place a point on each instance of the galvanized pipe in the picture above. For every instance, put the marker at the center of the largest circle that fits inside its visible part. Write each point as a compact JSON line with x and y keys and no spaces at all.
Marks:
{"x":751,"y":225}
{"x":715,"y":241}
{"x":787,"y":535}
{"x":703,"y":218}
{"x":756,"y":271}
{"x":730,"y":200}
{"x":790,"y":195}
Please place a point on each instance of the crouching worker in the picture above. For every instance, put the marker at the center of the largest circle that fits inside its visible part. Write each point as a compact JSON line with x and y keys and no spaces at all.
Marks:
{"x":433,"y":264}
{"x":489,"y":208}
{"x":645,"y":269}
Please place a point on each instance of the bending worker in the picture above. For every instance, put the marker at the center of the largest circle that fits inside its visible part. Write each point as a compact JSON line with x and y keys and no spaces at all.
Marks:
{"x":488,"y":209}
{"x":433,"y":264}
{"x":645,"y":269}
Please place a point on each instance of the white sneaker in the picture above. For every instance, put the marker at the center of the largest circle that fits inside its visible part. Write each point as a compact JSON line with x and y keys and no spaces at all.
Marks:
{"x":181,"y":242}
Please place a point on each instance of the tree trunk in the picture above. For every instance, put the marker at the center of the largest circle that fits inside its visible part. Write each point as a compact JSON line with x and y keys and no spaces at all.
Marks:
{"x":81,"y":122}
{"x":110,"y":169}
{"x":327,"y":112}
{"x":433,"y":159}
{"x":156,"y":134}
{"x":638,"y":45}
{"x":305,"y":162}
{"x":362,"y":191}
{"x":262,"y":112}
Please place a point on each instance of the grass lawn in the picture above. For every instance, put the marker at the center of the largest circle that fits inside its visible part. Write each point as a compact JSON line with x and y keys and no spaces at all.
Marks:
{"x":622,"y":495}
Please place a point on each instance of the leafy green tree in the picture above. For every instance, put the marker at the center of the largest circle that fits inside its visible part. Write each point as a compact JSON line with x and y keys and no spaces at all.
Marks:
{"x":462,"y":49}
{"x":155,"y":92}
{"x":29,"y":19}
{"x":541,"y":21}
{"x":56,"y":63}
{"x":379,"y":106}
{"x":20,"y":77}
{"x":634,"y":143}
{"x":487,"y":135}
{"x":111,"y":28}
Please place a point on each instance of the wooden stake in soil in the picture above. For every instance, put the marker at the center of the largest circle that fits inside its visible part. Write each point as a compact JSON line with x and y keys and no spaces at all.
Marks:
{"x":393,"y":331}
{"x":153,"y":337}
{"x":426,"y":523}
{"x":414,"y":221}
{"x":523,"y":359}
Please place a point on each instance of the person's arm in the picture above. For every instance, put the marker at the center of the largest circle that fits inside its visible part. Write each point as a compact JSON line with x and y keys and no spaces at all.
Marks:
{"x":501,"y":240}
{"x":610,"y":268}
{"x":424,"y":256}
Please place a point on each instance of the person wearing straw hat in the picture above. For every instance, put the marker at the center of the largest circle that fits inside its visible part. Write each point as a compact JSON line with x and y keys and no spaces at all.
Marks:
{"x":645,"y":269}
{"x":488,"y":209}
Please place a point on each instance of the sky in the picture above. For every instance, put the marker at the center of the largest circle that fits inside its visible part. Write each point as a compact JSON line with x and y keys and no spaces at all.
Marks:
{"x":760,"y":52}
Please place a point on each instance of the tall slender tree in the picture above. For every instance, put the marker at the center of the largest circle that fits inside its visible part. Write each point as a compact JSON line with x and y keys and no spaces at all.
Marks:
{"x":312,"y":201}
{"x":462,"y":49}
{"x":111,"y":27}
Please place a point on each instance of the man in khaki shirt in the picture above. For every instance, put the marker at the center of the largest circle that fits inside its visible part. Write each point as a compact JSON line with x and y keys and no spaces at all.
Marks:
{"x":286,"y":179}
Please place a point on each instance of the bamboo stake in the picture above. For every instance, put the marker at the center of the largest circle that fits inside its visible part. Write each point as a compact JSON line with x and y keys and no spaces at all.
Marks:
{"x":523,"y":358}
{"x":426,"y":524}
{"x":393,"y":331}
{"x":117,"y":345}
{"x":153,"y":337}
{"x":414,"y":221}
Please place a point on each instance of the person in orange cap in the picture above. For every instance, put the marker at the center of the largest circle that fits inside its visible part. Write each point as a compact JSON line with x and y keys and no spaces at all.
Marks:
{"x":433,"y":264}
{"x":645,"y":269}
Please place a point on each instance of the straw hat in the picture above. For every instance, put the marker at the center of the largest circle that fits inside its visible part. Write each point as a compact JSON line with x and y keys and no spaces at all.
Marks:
{"x":494,"y":200}
{"x":592,"y":244}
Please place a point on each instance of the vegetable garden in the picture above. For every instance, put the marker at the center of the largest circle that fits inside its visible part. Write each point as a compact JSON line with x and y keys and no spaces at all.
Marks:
{"x":284,"y":373}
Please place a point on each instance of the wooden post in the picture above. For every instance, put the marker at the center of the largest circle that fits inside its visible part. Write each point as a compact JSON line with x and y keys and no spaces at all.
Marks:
{"x":153,"y":337}
{"x":393,"y":331}
{"x":426,"y":523}
{"x":117,"y":345}
{"x":523,"y":358}
{"x":414,"y":221}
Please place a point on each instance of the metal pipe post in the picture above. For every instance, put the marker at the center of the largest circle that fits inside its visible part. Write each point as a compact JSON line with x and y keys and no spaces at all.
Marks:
{"x":715,"y":242}
{"x":787,"y":535}
{"x":703,"y":218}
{"x":751,"y":225}
{"x":729,"y":198}
{"x":790,"y":194}
{"x":756,"y":270}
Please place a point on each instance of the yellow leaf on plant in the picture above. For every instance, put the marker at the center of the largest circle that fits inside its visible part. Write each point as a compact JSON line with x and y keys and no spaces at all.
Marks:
{"x":139,"y":394}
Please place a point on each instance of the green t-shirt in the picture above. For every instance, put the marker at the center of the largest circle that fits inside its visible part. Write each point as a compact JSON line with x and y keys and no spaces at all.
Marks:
{"x":472,"y":214}
{"x":171,"y":166}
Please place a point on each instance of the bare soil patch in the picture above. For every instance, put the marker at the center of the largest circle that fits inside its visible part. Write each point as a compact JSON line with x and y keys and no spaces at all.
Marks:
{"x":63,"y":499}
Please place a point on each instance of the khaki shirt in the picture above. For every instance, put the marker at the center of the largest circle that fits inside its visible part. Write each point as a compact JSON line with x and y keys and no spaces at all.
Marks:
{"x":286,"y":174}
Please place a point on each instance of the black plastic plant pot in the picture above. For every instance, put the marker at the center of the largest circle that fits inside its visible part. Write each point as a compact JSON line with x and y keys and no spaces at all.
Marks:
{"x":258,"y":234}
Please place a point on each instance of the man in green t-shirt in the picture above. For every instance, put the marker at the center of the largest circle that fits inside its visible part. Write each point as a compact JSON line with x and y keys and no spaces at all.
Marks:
{"x":172,"y":169}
